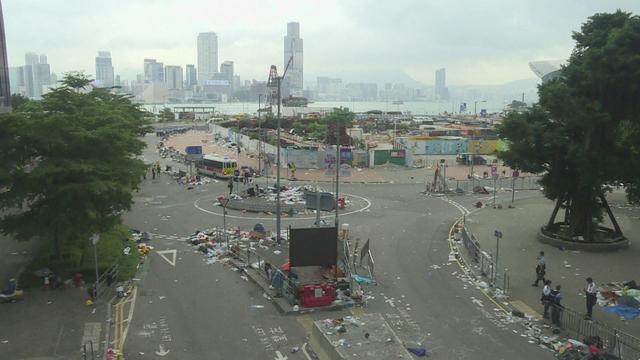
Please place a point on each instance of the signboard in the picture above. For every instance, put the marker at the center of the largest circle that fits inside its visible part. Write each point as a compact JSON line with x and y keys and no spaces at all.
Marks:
{"x":498,"y":234}
{"x":194,"y":150}
{"x":215,"y":82}
{"x":317,"y":246}
{"x":515,"y":174}
{"x":398,"y":153}
{"x":494,"y":170}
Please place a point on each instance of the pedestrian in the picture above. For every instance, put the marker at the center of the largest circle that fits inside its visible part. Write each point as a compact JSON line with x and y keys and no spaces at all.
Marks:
{"x":230,"y":186}
{"x":592,"y":296}
{"x":153,"y":173}
{"x":546,"y":298}
{"x":541,"y":269}
{"x":556,"y":303}
{"x":246,"y":178}
{"x":158,"y":168}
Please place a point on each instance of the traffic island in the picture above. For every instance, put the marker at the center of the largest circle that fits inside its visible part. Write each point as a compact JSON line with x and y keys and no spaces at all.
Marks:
{"x":606,"y":239}
{"x":364,"y":337}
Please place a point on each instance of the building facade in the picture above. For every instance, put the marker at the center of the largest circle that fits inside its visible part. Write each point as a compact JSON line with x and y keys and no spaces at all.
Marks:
{"x":226,"y":69}
{"x":293,"y":47}
{"x":191,"y":76}
{"x":173,"y":77}
{"x":207,"y":56}
{"x":153,"y":71}
{"x":441,"y":91}
{"x":104,"y":69}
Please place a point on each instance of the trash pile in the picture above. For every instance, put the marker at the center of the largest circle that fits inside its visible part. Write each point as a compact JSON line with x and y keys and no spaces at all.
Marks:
{"x":622,"y":300}
{"x":142,"y":239}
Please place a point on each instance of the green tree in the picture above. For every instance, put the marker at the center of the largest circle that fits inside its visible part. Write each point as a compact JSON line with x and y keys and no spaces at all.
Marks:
{"x":584,"y":133}
{"x":166,"y":115}
{"x":17,"y":101}
{"x":68,"y":165}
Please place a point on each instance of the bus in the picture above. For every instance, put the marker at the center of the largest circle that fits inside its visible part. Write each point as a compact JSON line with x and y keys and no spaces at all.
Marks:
{"x":216,"y":166}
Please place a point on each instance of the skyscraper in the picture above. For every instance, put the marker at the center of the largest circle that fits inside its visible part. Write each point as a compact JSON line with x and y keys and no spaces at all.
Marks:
{"x":153,"y":71}
{"x":104,"y":69}
{"x":5,"y":90}
{"x":36,"y":75}
{"x":207,"y":56}
{"x":191,"y":76}
{"x":441,"y":91}
{"x":226,"y":68}
{"x":173,"y":77}
{"x":293,"y":48}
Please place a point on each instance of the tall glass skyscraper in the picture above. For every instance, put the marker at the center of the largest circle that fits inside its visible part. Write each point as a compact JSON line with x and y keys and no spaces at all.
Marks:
{"x":5,"y":92}
{"x":207,"y":56}
{"x":293,"y":47}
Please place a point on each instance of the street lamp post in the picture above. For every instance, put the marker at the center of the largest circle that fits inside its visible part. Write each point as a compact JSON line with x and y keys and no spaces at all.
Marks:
{"x":224,"y":222}
{"x":278,"y":215}
{"x":94,"y":240}
{"x":259,"y":137}
{"x":475,"y":107}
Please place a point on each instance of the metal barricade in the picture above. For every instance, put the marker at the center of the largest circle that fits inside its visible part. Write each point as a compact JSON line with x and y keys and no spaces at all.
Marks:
{"x":613,"y":341}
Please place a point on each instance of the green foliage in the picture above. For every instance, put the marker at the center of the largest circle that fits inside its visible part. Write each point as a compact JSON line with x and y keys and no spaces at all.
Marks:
{"x":166,"y":115}
{"x":584,"y":133}
{"x":68,"y":164}
{"x":17,"y":101}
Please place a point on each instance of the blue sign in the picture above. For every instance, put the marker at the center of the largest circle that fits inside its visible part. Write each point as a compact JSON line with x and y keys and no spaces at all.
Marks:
{"x":498,"y":234}
{"x":194,"y":150}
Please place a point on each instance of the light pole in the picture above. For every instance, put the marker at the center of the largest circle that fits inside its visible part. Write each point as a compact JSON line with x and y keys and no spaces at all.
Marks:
{"x":224,"y":222}
{"x":259,"y":137}
{"x":475,"y":107}
{"x":278,"y":215}
{"x":94,"y":240}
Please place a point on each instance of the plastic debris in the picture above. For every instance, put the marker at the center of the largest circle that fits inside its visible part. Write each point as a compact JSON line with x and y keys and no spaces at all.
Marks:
{"x":417,"y":351}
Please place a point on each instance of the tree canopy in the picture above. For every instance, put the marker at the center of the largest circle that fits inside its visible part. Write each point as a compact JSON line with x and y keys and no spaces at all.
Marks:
{"x":68,"y":164}
{"x":584,"y":133}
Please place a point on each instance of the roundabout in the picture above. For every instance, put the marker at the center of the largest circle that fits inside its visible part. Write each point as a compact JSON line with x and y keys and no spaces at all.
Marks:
{"x":358,"y":204}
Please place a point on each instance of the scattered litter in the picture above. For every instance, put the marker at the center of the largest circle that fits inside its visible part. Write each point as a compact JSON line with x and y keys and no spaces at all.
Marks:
{"x":257,"y":306}
{"x":162,"y":297}
{"x":5,"y":341}
{"x":244,"y":277}
{"x":295,"y":349}
{"x":49,"y":302}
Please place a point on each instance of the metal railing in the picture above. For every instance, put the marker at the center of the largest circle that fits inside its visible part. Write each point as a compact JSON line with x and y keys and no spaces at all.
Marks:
{"x":106,"y":278}
{"x":90,"y":351}
{"x":507,"y":183}
{"x":612,"y":341}
{"x":484,"y":261}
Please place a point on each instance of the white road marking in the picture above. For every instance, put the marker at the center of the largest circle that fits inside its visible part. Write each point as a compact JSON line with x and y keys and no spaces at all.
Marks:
{"x":279,"y":356}
{"x":332,"y":215}
{"x":161,"y":351}
{"x":162,"y":253}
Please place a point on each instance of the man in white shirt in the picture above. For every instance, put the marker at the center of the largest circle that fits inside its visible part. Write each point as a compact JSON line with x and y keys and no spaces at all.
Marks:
{"x":592,"y":296}
{"x":546,"y":298}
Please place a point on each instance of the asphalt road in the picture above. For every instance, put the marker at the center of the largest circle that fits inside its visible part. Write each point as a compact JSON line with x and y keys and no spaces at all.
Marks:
{"x":193,"y":310}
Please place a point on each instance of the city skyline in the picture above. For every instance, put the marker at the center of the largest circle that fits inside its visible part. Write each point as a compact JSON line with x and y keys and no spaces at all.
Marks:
{"x":467,"y":38}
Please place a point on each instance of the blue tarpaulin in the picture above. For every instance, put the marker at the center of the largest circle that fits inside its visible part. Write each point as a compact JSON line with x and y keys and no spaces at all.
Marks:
{"x":361,"y":279}
{"x":627,"y":312}
{"x":417,"y":351}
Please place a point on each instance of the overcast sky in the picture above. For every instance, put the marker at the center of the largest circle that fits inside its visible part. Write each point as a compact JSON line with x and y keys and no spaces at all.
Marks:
{"x":479,"y":42}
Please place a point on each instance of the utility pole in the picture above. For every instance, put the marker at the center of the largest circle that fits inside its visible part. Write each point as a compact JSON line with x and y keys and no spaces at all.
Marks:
{"x":337,"y":167}
{"x":278,"y":168}
{"x":278,"y":214}
{"x":94,"y":240}
{"x":259,"y":137}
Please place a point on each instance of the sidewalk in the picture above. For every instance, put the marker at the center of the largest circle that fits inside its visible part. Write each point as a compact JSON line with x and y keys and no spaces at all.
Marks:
{"x":519,"y":248}
{"x":51,"y":324}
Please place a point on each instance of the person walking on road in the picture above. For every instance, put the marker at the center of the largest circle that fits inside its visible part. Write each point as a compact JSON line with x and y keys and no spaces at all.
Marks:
{"x":541,"y":269}
{"x":556,"y":310}
{"x":230,"y":186}
{"x":153,"y":173}
{"x":546,"y":298}
{"x":592,"y":296}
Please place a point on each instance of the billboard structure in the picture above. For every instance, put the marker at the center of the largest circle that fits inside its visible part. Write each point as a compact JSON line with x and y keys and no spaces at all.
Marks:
{"x":317,"y":246}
